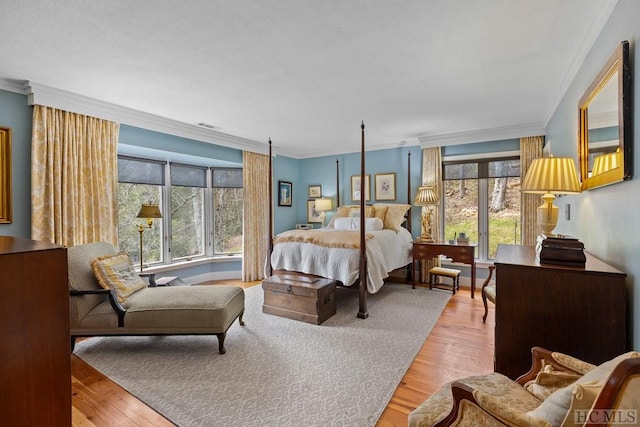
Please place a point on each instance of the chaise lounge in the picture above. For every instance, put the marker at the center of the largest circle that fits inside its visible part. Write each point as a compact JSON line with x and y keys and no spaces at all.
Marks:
{"x":126,"y":305}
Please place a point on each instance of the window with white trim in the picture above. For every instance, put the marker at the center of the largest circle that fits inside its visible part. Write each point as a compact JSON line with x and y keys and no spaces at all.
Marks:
{"x":201,"y":209}
{"x":482,"y":200}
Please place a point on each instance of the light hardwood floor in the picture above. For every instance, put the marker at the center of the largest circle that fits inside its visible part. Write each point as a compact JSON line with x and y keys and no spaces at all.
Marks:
{"x":459,"y":345}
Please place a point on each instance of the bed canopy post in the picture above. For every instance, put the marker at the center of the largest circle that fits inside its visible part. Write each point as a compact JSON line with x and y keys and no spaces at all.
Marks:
{"x":362,"y":289}
{"x":337,"y":183}
{"x":409,"y":189}
{"x":270,"y":242}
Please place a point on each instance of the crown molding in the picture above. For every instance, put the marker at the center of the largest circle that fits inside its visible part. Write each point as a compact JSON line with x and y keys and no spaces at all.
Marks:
{"x":68,"y":101}
{"x":491,"y":134}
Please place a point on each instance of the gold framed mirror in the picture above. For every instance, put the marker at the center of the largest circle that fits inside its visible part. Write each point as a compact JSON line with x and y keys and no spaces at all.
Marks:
{"x":5,"y":175}
{"x":605,"y":145}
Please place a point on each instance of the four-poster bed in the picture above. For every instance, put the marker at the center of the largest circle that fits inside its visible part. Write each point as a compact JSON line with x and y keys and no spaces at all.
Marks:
{"x":364,"y":259}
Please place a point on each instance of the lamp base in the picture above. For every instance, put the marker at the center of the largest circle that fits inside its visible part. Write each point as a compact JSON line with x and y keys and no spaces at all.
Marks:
{"x":547,"y":215}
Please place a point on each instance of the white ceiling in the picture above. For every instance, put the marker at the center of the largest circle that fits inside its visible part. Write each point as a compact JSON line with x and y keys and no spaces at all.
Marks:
{"x":306,"y":72}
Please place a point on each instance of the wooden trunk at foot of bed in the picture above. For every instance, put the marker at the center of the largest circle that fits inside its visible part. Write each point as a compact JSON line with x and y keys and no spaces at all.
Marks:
{"x":299,"y":296}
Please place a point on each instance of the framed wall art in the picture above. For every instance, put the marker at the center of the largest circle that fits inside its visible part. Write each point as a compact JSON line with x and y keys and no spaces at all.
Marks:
{"x":315,"y":191}
{"x":285,"y":193}
{"x":5,"y":175}
{"x":312,"y":214}
{"x":355,"y":187}
{"x":385,"y":186}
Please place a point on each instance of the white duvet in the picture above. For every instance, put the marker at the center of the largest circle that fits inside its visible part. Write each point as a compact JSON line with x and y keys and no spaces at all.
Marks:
{"x":386,"y":251}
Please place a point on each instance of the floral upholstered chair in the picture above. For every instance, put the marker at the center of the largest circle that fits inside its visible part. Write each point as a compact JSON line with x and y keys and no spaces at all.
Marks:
{"x":559,"y":390}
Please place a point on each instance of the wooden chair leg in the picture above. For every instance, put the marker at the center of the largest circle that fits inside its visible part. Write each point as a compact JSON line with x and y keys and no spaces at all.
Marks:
{"x":484,"y":296}
{"x":486,"y":308}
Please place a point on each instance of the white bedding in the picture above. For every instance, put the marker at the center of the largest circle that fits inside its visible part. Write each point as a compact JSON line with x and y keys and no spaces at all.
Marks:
{"x":386,"y":251}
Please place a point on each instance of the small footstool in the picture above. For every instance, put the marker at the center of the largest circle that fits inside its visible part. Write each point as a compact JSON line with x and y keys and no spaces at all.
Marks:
{"x":451,"y":273}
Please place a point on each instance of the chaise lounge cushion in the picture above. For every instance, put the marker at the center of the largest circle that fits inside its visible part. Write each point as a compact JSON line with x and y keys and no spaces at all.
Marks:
{"x":183,"y":308}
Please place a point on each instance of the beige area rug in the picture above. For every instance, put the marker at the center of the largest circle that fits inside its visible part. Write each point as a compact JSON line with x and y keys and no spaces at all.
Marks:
{"x":278,"y":372}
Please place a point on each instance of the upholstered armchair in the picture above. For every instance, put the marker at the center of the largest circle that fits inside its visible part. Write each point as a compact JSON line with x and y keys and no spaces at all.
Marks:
{"x":559,"y":390}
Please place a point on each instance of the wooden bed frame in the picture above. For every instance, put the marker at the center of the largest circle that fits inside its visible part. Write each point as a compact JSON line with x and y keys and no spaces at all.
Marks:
{"x":362,"y":278}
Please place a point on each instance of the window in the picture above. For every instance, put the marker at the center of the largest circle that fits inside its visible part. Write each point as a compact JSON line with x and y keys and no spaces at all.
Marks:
{"x":188,"y":185}
{"x":482,"y":199}
{"x":140,"y":181}
{"x":201,"y":210}
{"x":227,"y":207}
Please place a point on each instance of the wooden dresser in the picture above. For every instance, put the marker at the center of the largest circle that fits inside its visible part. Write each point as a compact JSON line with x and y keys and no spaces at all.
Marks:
{"x":35,"y":362}
{"x":573,"y":310}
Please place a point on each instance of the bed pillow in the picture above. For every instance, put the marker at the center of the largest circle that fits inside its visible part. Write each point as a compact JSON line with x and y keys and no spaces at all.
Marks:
{"x":355,"y":211}
{"x":380,"y":212}
{"x":395,"y":216}
{"x":116,"y":272}
{"x":343,"y":211}
{"x":353,"y":223}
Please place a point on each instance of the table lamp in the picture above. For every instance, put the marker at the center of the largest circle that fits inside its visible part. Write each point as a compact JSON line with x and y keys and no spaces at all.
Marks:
{"x":550,"y":176}
{"x":148,"y":211}
{"x":426,"y":197}
{"x":323,"y":205}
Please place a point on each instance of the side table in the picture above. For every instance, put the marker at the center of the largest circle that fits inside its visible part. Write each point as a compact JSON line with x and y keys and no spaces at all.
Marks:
{"x":459,"y":253}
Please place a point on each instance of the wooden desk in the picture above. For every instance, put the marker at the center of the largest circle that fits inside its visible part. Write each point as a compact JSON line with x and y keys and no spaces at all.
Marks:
{"x":465,"y":254}
{"x":580,"y":311}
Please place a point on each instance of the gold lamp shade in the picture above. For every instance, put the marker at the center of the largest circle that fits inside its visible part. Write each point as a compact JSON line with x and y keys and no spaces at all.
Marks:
{"x":549,"y":176}
{"x":149,"y":210}
{"x":425,"y":196}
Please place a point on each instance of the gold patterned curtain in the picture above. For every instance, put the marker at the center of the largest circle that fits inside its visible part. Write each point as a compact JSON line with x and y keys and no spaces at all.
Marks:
{"x":74,"y":178}
{"x":255,"y":234}
{"x":432,"y":175}
{"x":530,"y":149}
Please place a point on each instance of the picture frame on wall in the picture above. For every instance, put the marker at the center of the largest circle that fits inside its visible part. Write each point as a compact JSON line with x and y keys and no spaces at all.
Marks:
{"x":285,"y":193}
{"x":315,"y":191}
{"x":312,"y":214}
{"x":385,"y":186}
{"x":355,"y":187}
{"x":5,"y":176}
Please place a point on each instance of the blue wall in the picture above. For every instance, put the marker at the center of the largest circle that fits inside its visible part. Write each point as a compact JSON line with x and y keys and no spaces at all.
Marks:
{"x":607,"y":219}
{"x":17,"y":115}
{"x":322,"y":171}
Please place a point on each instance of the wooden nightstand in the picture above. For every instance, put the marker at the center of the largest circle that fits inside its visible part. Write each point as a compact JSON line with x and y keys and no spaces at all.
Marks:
{"x":459,"y":253}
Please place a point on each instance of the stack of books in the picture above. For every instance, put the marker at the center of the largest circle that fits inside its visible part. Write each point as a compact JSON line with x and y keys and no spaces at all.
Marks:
{"x":560,"y":249}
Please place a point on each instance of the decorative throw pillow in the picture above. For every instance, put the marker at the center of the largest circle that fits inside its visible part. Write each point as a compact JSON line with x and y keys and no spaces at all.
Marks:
{"x":116,"y":272}
{"x":368,"y":211}
{"x":549,"y":380}
{"x":584,"y":395}
{"x":343,"y":211}
{"x":395,"y":215}
{"x":555,"y":407}
{"x":380,"y":212}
